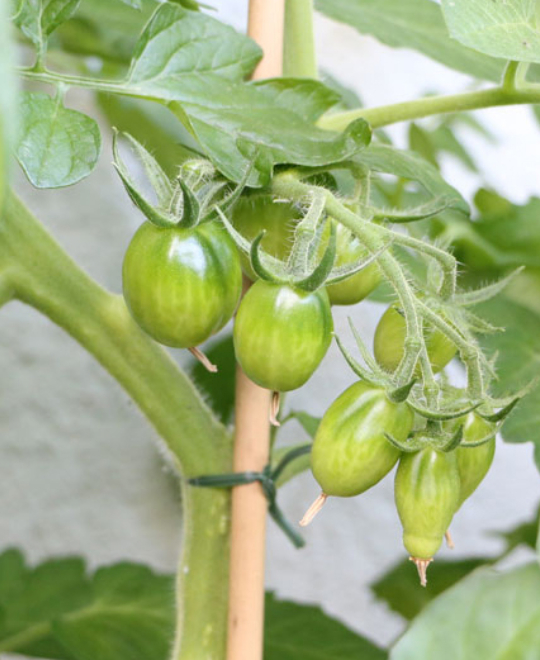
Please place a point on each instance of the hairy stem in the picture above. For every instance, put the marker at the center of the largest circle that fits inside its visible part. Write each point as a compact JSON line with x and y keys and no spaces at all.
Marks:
{"x":288,"y":186}
{"x":43,"y":276}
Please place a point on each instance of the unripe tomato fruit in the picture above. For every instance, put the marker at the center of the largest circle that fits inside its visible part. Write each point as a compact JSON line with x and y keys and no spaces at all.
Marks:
{"x":390,"y":338}
{"x":253,"y":214}
{"x":281,"y":334}
{"x":350,"y":452}
{"x":181,"y":285}
{"x":474,"y":462}
{"x":357,"y":287}
{"x":427,"y":491}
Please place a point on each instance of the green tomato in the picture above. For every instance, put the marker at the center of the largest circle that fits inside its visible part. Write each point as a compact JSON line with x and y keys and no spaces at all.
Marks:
{"x":390,"y":338}
{"x":181,"y":285}
{"x":427,"y":491}
{"x":474,"y":462}
{"x":255,"y":213}
{"x":357,"y":287}
{"x":350,"y":452}
{"x":281,"y":334}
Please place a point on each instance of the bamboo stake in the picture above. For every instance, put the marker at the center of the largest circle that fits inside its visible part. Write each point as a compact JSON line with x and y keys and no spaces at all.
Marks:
{"x":265,"y":26}
{"x":252,"y":434}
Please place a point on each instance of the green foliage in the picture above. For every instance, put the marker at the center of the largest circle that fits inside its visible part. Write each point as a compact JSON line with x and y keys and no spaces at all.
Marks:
{"x":303,"y":632}
{"x":416,"y":24}
{"x":488,"y":615}
{"x":518,"y":350}
{"x":7,"y":100}
{"x":55,"y":146}
{"x":108,"y":29}
{"x":57,"y":610}
{"x":408,"y":165}
{"x":506,"y":29}
{"x":38,"y":19}
{"x":400,"y":591}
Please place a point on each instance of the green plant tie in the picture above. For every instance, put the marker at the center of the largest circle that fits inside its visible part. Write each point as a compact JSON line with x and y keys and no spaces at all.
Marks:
{"x":267,"y":478}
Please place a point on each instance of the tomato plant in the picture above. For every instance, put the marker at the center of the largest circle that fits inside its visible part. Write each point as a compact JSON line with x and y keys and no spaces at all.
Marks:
{"x":238,"y":155}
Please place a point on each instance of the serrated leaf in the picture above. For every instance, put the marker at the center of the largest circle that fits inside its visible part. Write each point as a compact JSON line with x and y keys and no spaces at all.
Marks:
{"x":38,"y":19}
{"x":198,"y":65}
{"x":55,"y":146}
{"x":305,"y":632}
{"x":399,"y":588}
{"x":416,"y":24}
{"x":408,"y":165}
{"x":487,"y":616}
{"x":56,"y":610}
{"x":178,"y":46}
{"x":507,"y":29}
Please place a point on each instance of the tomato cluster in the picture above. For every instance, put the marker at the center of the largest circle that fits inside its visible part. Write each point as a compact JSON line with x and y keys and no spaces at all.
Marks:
{"x":182,"y":281}
{"x":352,"y":452}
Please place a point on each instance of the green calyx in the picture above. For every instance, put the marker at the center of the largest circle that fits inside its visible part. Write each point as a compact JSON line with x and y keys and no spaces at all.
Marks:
{"x":184,"y":201}
{"x":311,"y":262}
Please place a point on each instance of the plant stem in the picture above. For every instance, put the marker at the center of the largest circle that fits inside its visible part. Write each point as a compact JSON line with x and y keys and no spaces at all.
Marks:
{"x":299,"y":55}
{"x":43,"y":276}
{"x":433,"y":105}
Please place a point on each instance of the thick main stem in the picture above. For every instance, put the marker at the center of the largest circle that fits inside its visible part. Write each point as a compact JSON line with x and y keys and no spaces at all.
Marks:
{"x":38,"y":272}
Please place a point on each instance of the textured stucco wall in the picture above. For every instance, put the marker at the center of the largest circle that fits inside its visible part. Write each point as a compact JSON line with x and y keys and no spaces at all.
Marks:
{"x":80,"y":473}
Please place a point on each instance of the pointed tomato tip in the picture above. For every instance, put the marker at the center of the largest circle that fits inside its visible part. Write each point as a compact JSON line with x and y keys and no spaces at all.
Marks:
{"x":199,"y":355}
{"x":421,"y":567}
{"x":313,"y":510}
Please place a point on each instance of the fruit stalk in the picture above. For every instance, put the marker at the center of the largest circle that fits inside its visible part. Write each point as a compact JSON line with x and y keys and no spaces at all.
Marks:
{"x":252,"y":431}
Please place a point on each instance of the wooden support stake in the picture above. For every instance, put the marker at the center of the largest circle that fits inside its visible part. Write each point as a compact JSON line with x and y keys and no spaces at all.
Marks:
{"x":252,"y":432}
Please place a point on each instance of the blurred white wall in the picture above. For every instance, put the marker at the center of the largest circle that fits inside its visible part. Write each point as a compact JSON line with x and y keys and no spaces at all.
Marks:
{"x":80,"y":473}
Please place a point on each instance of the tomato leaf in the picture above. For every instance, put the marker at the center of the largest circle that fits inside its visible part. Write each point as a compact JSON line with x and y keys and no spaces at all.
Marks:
{"x":488,"y":615}
{"x":39,"y":18}
{"x":305,"y":632}
{"x":7,"y":101}
{"x":55,"y":146}
{"x":56,"y":610}
{"x":416,"y":24}
{"x":104,"y":28}
{"x":506,"y":29}
{"x":198,"y":65}
{"x":518,"y":349}
{"x":408,"y":165}
{"x":399,"y":587}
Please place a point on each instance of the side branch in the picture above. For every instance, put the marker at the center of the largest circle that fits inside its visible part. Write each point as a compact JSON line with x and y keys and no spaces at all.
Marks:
{"x":433,"y":105}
